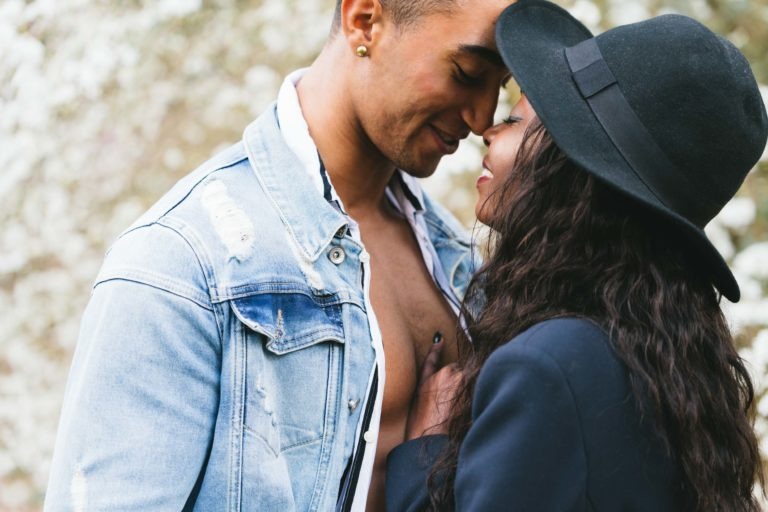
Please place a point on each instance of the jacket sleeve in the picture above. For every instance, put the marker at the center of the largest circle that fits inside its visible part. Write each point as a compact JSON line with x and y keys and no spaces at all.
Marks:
{"x":524,"y":450}
{"x":408,"y":467}
{"x":142,"y":395}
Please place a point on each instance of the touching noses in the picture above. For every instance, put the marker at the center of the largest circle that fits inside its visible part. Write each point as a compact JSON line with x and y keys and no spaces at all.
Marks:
{"x":479,"y":109}
{"x":490,"y":133}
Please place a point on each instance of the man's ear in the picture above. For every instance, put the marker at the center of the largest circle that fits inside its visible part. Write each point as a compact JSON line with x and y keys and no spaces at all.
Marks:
{"x":361,"y":23}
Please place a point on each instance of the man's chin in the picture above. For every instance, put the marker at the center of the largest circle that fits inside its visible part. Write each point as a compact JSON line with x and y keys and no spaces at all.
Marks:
{"x":420,"y":169}
{"x":418,"y":173}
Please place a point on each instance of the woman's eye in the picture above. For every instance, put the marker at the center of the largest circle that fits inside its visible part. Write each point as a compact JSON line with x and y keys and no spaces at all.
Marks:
{"x":510,"y":119}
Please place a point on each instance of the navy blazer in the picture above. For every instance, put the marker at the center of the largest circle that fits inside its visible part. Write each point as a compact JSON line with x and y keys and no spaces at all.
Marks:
{"x":555,"y":428}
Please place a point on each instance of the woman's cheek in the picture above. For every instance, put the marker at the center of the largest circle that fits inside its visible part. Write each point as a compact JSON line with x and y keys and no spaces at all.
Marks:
{"x":483,"y":207}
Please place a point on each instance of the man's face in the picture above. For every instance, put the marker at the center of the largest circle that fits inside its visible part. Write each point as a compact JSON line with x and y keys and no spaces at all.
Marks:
{"x":431,"y":83}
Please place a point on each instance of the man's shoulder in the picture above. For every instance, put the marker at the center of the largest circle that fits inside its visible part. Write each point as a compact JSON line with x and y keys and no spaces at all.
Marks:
{"x":234,"y":159}
{"x":209,"y":220}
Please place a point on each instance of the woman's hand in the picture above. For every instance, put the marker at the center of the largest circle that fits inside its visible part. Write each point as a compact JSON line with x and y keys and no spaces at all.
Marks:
{"x":432,"y":402}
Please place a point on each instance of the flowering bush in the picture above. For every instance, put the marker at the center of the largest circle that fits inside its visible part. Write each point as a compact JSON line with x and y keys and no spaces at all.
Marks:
{"x":103,"y":105}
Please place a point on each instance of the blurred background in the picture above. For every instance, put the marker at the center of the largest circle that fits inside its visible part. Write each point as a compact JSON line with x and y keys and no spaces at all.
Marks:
{"x":104,"y":104}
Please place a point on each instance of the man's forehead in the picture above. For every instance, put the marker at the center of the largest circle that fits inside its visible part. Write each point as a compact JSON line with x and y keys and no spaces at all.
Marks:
{"x":485,"y":53}
{"x":477,"y":34}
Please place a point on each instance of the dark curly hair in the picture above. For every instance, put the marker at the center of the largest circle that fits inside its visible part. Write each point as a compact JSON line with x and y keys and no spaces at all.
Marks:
{"x":566,"y":244}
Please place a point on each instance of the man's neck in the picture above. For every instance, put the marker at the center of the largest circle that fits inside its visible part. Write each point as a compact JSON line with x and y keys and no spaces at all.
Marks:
{"x":358,"y":171}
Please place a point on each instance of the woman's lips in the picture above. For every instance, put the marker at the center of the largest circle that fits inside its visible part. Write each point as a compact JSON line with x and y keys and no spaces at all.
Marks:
{"x":486,"y":175}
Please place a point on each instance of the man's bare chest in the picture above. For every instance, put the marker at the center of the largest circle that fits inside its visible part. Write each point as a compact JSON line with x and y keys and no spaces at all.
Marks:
{"x":407,"y":302}
{"x":409,"y":307}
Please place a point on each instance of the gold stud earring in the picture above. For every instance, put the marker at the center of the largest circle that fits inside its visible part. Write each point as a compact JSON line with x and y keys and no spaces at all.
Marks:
{"x":362,"y":51}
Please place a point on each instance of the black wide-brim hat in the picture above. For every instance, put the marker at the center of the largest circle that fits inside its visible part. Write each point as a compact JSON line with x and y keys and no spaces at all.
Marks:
{"x":664,"y":111}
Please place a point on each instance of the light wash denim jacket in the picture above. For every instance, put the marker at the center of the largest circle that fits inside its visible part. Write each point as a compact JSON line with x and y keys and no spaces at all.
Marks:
{"x":224,"y":345}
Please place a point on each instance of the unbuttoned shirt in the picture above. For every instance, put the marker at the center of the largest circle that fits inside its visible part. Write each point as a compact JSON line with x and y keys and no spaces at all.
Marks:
{"x":229,"y":357}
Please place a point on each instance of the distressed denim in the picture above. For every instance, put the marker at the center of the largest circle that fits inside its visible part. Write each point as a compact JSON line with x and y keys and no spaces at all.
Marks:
{"x":224,"y":345}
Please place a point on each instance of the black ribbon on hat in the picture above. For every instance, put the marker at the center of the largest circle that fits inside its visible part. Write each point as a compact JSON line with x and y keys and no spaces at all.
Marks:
{"x":599,"y":87}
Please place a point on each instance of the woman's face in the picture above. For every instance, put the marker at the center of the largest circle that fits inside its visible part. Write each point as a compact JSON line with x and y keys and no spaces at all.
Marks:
{"x":503,"y":141}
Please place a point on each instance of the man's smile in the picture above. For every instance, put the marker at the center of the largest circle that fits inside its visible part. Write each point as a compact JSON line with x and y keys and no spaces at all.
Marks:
{"x":447,"y":142}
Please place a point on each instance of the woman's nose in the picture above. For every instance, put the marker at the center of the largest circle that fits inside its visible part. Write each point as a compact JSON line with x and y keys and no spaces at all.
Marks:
{"x":489,"y":134}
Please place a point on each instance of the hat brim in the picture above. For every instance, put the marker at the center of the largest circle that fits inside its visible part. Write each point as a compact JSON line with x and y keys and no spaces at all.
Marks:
{"x":532,"y":36}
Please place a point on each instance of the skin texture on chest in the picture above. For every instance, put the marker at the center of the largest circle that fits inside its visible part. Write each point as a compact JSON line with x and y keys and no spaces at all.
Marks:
{"x":410,"y":310}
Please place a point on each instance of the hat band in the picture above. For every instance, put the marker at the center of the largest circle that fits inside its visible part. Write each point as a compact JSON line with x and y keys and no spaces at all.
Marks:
{"x":600,"y":89}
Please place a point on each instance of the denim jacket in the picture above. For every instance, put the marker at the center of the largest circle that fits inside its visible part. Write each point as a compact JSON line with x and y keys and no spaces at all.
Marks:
{"x":226,"y":345}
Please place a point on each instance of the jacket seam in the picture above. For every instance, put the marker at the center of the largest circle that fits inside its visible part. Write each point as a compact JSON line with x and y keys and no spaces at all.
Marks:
{"x":283,"y":287}
{"x":553,"y":362}
{"x":144,"y":278}
{"x":185,"y":196}
{"x":567,"y":382}
{"x":206,"y":268}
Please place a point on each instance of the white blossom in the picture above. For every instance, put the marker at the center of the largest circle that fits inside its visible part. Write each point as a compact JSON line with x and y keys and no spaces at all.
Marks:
{"x":753,"y":261}
{"x":104,"y":105}
{"x":621,"y":12}
{"x":588,"y":13}
{"x":738,"y":214}
{"x":720,"y":238}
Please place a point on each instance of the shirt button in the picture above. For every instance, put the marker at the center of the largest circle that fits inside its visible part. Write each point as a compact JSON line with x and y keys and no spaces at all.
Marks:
{"x":353,"y":404}
{"x":365,"y":257}
{"x":336,"y":255}
{"x":369,"y":437}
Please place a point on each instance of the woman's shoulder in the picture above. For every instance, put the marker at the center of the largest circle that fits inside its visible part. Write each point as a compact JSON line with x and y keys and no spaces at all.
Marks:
{"x":562,"y":380}
{"x":562,"y":339}
{"x":577,"y":349}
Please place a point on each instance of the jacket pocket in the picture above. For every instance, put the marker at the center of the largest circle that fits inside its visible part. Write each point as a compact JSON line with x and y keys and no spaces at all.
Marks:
{"x":291,"y":321}
{"x":293,"y":347}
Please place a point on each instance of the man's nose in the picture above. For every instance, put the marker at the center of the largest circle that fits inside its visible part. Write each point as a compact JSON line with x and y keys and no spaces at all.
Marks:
{"x":479,"y":110}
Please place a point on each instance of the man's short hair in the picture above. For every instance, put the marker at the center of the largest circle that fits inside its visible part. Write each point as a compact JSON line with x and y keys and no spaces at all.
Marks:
{"x":403,"y":12}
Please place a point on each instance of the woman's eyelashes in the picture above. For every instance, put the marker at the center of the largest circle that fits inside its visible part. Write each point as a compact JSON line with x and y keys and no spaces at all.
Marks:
{"x":510,"y":119}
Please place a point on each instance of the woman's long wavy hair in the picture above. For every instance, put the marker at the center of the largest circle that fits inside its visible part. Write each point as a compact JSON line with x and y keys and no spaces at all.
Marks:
{"x":565,"y":244}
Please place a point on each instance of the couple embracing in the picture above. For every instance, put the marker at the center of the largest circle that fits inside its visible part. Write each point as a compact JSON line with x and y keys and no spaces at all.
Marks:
{"x":296,"y":325}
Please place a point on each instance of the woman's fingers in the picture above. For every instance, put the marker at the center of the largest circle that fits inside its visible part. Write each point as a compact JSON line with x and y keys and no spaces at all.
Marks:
{"x":431,"y":407}
{"x":432,"y":361}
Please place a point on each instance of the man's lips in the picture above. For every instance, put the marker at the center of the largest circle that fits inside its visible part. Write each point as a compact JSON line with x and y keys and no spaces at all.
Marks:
{"x":448,"y":143}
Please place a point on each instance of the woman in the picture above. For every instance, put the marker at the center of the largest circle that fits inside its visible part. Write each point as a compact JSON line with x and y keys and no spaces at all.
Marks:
{"x":602,"y":374}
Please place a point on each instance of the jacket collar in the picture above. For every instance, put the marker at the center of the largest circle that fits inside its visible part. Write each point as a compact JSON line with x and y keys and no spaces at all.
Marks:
{"x":309,"y":218}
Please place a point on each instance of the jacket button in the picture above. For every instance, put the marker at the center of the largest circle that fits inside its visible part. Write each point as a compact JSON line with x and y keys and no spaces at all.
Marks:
{"x":369,"y":437}
{"x":336,"y":255}
{"x":365,"y":257}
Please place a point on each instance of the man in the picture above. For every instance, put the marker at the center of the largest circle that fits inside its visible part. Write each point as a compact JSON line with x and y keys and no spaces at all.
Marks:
{"x":252,"y":342}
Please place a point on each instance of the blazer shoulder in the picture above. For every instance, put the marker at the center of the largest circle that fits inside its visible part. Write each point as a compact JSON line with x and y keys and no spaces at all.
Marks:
{"x":563,"y":377}
{"x":563,"y":340}
{"x":579,"y":348}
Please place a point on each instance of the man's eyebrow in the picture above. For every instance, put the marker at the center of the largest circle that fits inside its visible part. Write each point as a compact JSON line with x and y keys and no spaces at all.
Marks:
{"x":483,"y":52}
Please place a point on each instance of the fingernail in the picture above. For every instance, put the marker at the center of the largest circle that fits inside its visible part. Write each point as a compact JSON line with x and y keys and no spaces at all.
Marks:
{"x":438,"y":337}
